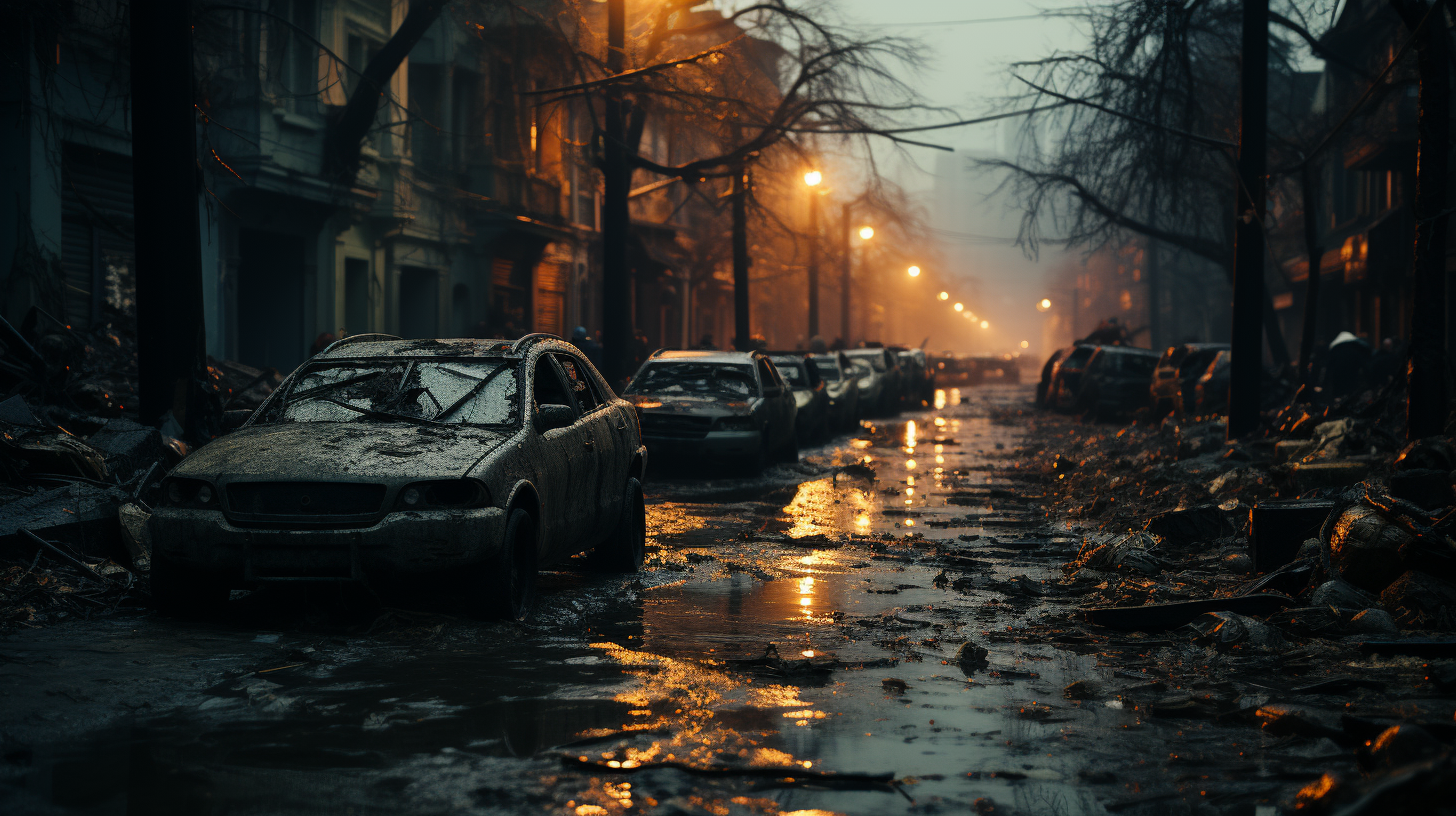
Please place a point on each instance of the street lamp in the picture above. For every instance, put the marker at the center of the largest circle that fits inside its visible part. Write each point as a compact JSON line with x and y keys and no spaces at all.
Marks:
{"x":959,"y":307}
{"x":944,"y":296}
{"x":866,"y":233}
{"x":1043,"y":305}
{"x":813,"y":177}
{"x":914,"y":271}
{"x":985,"y":324}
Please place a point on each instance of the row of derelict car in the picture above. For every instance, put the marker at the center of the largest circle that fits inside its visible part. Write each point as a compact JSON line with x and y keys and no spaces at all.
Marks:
{"x":460,"y":468}
{"x":1107,"y":382}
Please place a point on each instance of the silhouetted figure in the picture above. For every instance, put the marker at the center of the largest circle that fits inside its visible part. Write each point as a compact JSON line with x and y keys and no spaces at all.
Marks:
{"x":1345,"y":366}
{"x":817,"y":345}
{"x":1385,"y":364}
{"x":591,"y":348}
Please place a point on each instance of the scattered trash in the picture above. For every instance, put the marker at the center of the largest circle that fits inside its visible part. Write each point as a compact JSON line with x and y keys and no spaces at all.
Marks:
{"x":1165,"y":617}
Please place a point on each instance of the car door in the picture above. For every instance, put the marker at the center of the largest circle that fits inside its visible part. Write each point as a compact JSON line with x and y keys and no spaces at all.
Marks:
{"x":605,"y":468}
{"x":567,"y":470}
{"x":779,"y":400}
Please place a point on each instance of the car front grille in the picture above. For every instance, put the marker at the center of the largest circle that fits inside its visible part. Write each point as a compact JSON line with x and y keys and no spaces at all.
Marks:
{"x":673,"y":426}
{"x":276,"y":501}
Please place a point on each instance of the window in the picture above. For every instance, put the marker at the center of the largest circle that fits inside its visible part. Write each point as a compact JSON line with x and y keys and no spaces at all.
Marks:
{"x":768,"y":376}
{"x":549,"y":389}
{"x":581,"y":384}
{"x":463,"y":392}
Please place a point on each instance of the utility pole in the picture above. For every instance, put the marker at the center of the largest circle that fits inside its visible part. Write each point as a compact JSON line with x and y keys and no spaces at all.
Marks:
{"x":1426,"y":407}
{"x":171,"y":344}
{"x":844,"y":281}
{"x":616,"y":218}
{"x":741,"y":329}
{"x":813,"y":263}
{"x":1246,"y":348}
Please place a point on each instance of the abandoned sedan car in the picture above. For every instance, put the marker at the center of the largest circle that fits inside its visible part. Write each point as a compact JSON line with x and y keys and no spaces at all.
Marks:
{"x":811,"y":396}
{"x":468,"y":463}
{"x":841,"y":383}
{"x":729,"y":406}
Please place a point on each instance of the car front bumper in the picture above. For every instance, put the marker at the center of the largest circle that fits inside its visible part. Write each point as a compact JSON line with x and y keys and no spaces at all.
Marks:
{"x":402,"y":543}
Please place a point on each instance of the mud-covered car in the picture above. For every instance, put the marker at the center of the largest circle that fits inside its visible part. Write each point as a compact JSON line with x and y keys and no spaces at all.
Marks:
{"x":726,"y":406}
{"x":881,"y":389}
{"x":811,"y":396}
{"x":919,"y":377}
{"x":1066,"y":379}
{"x":841,"y":384}
{"x":1114,"y":382}
{"x":1177,"y":373}
{"x":468,"y":463}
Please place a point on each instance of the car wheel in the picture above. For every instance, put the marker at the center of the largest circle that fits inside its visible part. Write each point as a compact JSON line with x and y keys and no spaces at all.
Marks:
{"x":510,"y":583}
{"x":182,"y":590}
{"x":626,"y":546}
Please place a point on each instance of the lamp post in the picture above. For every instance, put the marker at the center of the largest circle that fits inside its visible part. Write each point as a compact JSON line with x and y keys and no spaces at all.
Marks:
{"x":865,"y":233}
{"x":812,"y":180}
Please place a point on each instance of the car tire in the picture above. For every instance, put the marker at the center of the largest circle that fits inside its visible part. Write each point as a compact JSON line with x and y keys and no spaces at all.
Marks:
{"x":626,"y":547}
{"x":181,"y":590}
{"x":508,"y":591}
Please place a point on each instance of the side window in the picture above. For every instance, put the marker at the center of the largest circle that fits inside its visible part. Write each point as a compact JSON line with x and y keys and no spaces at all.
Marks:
{"x":767,"y":374}
{"x":547,"y":388}
{"x":580,"y":382}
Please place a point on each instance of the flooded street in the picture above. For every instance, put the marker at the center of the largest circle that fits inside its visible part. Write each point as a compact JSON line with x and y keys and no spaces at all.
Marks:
{"x":790,"y":648}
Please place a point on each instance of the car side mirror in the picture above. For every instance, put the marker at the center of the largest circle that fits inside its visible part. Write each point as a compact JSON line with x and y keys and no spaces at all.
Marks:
{"x":233,"y":420}
{"x":551,"y":417}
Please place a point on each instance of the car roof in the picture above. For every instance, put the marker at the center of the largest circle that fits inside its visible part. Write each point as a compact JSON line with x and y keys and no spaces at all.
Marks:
{"x":704,"y":356}
{"x":1130,"y":350}
{"x":868,"y":351}
{"x":395,"y":347}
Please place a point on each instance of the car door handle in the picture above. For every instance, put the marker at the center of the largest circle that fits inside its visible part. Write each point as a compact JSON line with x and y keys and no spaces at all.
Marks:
{"x":587,"y":443}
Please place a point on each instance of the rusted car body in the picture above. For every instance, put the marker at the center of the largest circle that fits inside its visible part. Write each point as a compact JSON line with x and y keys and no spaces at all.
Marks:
{"x":378,"y":460}
{"x":1178,"y":372}
{"x":723,"y":406}
{"x":841,"y":385}
{"x":811,"y":394}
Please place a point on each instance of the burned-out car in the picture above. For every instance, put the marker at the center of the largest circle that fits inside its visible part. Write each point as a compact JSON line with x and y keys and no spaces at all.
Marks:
{"x":881,"y":387}
{"x":841,"y":384}
{"x":468,"y":463}
{"x":811,"y":396}
{"x":1177,"y":373}
{"x":1114,"y":382}
{"x":726,"y":406}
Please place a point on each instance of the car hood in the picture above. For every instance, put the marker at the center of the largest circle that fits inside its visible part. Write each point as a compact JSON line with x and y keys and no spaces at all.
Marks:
{"x":342,"y":450}
{"x":690,"y":404}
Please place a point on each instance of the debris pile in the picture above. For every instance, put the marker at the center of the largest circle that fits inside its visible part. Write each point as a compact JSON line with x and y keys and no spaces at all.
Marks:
{"x":77,"y":468}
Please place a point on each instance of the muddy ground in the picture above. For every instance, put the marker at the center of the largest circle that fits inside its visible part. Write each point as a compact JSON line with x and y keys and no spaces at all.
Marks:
{"x":792,"y":647}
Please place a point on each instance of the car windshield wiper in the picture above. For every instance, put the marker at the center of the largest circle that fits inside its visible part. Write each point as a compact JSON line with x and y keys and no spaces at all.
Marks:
{"x":468,"y":395}
{"x":384,"y":415}
{"x":320,"y":389}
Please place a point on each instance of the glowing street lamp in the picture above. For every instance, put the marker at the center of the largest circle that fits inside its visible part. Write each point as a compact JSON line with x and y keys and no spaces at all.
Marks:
{"x":1043,"y":305}
{"x":959,"y":307}
{"x":985,"y":324}
{"x":914,"y":271}
{"x":1026,"y":344}
{"x":945,"y":295}
{"x":813,"y":177}
{"x":866,"y":233}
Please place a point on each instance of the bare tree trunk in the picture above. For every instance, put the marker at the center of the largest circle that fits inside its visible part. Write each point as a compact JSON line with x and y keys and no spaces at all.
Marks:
{"x":1249,"y":295}
{"x":1426,"y":410}
{"x":346,"y":135}
{"x":742,"y":328}
{"x":171,"y":344}
{"x":845,"y":275}
{"x":616,"y":217}
{"x":1312,"y":283}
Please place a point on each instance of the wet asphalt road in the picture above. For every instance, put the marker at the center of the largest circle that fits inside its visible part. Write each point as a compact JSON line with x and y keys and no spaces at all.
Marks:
{"x":788,"y":622}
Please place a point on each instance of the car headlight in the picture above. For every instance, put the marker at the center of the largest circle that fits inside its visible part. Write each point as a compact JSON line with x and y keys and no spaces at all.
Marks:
{"x":188,"y":493}
{"x":737,"y":423}
{"x":865,"y":383}
{"x":447,"y":494}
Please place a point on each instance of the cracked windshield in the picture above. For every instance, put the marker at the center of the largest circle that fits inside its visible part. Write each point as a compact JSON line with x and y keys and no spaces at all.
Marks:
{"x":727,"y":408}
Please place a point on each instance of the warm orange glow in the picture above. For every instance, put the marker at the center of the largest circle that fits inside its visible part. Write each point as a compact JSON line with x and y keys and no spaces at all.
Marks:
{"x":813,"y":177}
{"x":1026,"y":344}
{"x":959,"y":307}
{"x":985,"y":324}
{"x":914,"y":271}
{"x":1044,"y":305}
{"x":866,"y":232}
{"x":944,"y":296}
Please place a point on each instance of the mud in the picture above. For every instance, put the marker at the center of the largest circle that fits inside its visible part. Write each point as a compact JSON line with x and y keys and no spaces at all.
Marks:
{"x":874,"y":630}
